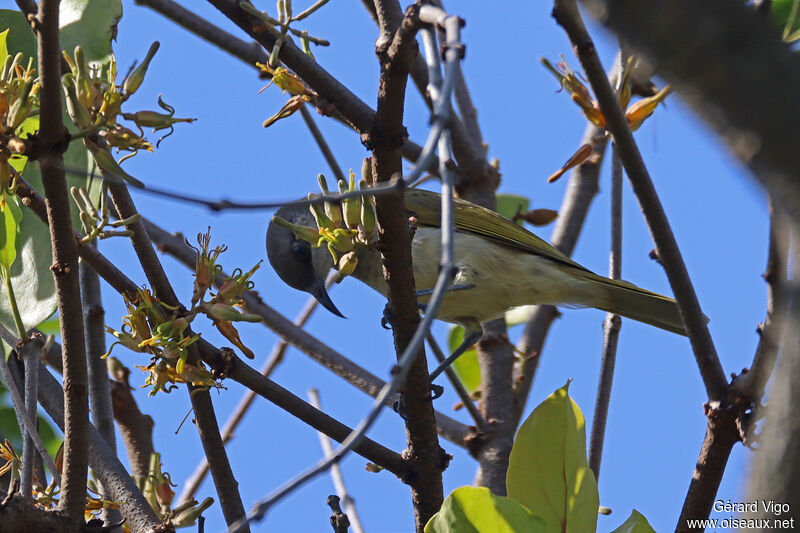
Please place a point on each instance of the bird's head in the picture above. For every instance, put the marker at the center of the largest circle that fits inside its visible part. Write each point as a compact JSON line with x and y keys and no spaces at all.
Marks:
{"x":296,"y":262}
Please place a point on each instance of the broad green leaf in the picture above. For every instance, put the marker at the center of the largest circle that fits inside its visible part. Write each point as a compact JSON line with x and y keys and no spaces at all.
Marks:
{"x":466,"y":366}
{"x":92,"y":24}
{"x":477,"y":510}
{"x":3,"y":47}
{"x":51,"y":326}
{"x":636,"y":523}
{"x":20,"y":37}
{"x":509,"y":205}
{"x":548,"y":472}
{"x":9,"y":429}
{"x":10,"y":217}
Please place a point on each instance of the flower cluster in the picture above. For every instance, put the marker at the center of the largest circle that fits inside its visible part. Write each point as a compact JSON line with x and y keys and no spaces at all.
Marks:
{"x":343,"y":226}
{"x":94,"y":103}
{"x":157,"y":489}
{"x":154,"y":328}
{"x":635,"y":114}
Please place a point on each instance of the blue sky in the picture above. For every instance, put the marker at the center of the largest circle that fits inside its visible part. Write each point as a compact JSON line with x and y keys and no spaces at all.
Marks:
{"x":656,"y":422}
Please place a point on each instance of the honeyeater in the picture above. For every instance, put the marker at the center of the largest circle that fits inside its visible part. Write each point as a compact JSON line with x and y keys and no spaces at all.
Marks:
{"x":499,"y":265}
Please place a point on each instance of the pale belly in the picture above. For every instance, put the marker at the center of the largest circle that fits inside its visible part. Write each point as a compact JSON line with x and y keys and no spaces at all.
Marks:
{"x":500,"y":278}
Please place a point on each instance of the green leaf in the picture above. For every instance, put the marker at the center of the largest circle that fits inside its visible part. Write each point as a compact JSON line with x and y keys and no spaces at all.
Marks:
{"x":10,"y":217}
{"x":548,"y":472}
{"x":509,"y":205}
{"x":9,"y":428}
{"x":92,"y":24}
{"x":51,"y":326}
{"x":477,"y":510}
{"x":466,"y":366}
{"x":20,"y":37}
{"x":3,"y":47}
{"x":636,"y":523}
{"x":780,"y":11}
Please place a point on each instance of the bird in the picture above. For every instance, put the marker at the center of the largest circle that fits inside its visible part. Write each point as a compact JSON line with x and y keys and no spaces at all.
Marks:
{"x":499,"y":265}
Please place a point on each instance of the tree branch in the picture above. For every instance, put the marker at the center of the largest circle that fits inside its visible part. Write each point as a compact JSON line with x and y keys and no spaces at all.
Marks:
{"x":396,"y":50}
{"x":566,"y":14}
{"x":214,"y":448}
{"x":52,"y":140}
{"x":229,"y":429}
{"x":613,"y":323}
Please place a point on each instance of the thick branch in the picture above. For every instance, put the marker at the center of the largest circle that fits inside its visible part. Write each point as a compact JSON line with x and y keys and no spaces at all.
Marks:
{"x":135,"y":427}
{"x":385,"y":138}
{"x":52,"y":142}
{"x":721,"y":435}
{"x":214,"y":448}
{"x":116,"y":480}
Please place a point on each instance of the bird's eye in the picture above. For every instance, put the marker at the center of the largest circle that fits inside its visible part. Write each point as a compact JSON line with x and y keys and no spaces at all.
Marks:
{"x":301,"y":251}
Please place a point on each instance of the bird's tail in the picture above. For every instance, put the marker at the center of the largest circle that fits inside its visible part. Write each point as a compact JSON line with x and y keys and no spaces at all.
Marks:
{"x":629,"y":301}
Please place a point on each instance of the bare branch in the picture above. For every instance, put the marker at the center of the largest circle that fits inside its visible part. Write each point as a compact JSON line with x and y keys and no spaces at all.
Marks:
{"x":612,"y":323}
{"x":214,"y":448}
{"x":52,"y":139}
{"x":229,"y":429}
{"x":567,"y":15}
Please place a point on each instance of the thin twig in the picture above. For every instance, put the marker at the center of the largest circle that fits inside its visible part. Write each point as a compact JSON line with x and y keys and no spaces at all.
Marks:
{"x":52,"y":134}
{"x":336,"y":473}
{"x":612,"y":323}
{"x":26,"y":422}
{"x":94,"y":327}
{"x":30,"y":357}
{"x":466,"y":399}
{"x":750,"y":385}
{"x":567,"y":15}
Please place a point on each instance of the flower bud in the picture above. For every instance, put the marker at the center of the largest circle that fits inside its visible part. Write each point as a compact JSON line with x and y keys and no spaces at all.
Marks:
{"x":21,"y":108}
{"x":352,"y":206}
{"x":304,"y":233}
{"x":77,"y":112}
{"x":135,"y":78}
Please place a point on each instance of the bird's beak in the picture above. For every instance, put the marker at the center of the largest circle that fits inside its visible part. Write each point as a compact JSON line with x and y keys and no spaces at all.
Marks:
{"x":317,"y":290}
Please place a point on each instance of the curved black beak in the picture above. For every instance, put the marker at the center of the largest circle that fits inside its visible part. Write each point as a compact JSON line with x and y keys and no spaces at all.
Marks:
{"x":317,"y":290}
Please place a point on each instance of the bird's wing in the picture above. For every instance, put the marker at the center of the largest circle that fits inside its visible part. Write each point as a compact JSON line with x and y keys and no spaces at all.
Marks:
{"x":426,"y":207}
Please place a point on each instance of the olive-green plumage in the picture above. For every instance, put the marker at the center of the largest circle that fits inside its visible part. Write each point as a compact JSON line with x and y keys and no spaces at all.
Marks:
{"x":501,"y":264}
